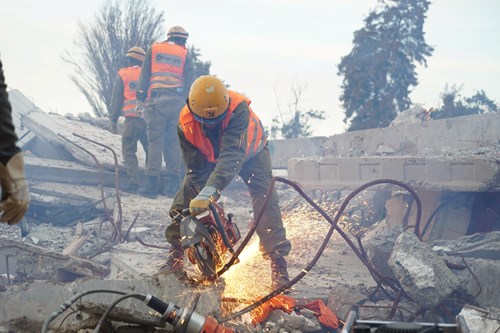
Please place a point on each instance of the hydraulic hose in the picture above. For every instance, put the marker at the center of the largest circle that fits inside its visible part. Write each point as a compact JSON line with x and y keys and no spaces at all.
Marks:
{"x":333,"y":227}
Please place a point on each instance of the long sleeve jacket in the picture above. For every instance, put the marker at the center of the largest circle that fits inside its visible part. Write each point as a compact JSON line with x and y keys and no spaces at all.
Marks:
{"x":229,"y":148}
{"x":117,"y":100}
{"x":8,"y":135}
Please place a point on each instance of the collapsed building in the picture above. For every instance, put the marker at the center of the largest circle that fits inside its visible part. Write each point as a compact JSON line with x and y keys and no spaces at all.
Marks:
{"x":418,"y":238}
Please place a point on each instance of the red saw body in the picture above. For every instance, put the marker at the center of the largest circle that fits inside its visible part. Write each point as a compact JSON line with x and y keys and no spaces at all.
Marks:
{"x":207,"y":238}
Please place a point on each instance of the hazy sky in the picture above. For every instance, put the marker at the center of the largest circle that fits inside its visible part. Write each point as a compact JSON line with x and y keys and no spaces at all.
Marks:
{"x":259,"y":47}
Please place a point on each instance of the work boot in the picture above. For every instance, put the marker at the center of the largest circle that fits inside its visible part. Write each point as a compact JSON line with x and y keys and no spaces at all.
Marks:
{"x":171,"y":186}
{"x":152,"y":188}
{"x":279,"y":273}
{"x":175,"y":261}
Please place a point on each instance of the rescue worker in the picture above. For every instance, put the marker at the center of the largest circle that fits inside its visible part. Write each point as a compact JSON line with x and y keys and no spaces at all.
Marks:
{"x":220,"y":138}
{"x":123,"y":102}
{"x":15,"y":194}
{"x":167,"y":74}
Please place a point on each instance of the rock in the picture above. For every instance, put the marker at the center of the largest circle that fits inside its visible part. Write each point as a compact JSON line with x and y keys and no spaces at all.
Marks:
{"x":420,"y":271}
{"x":378,"y":243}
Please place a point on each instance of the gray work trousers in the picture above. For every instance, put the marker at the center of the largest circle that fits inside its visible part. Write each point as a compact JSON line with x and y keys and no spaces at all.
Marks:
{"x":162,"y":117}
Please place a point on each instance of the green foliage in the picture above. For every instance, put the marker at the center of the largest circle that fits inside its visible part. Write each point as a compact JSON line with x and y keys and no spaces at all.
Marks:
{"x":103,"y":43}
{"x":295,"y":123}
{"x":380,"y":69}
{"x":455,"y":105}
{"x":200,"y":67}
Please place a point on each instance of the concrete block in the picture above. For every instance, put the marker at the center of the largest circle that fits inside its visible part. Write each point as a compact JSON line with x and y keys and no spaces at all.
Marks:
{"x":460,"y":133}
{"x":467,"y":173}
{"x":283,"y":150}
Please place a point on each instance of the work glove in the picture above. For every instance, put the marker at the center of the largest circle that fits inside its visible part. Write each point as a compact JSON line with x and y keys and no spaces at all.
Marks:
{"x":141,"y":95}
{"x":15,"y":194}
{"x":201,"y":202}
{"x":140,"y":108}
{"x":114,"y":127}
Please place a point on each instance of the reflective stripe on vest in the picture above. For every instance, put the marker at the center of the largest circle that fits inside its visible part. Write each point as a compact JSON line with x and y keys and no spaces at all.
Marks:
{"x":256,"y":140}
{"x":130,"y":76}
{"x":167,"y":65}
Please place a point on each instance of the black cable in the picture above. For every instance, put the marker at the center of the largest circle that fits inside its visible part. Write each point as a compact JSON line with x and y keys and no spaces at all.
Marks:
{"x":63,"y":307}
{"x":140,"y":297}
{"x":333,"y":227}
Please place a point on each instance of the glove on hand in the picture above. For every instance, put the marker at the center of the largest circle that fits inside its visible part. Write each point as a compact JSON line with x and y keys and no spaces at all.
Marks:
{"x":15,"y":194}
{"x":140,"y":108}
{"x":201,"y":202}
{"x":141,"y":95}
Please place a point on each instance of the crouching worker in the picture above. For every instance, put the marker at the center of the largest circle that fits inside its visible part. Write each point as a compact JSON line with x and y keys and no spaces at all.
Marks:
{"x":220,"y":138}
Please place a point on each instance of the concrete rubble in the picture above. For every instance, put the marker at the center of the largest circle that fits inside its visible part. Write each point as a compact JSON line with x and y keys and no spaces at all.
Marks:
{"x":422,"y":274}
{"x":83,"y":232}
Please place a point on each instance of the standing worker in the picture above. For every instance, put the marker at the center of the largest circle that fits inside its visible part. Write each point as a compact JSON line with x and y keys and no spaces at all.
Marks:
{"x":15,"y":194}
{"x":220,"y":138}
{"x":124,"y":103}
{"x":167,"y":74}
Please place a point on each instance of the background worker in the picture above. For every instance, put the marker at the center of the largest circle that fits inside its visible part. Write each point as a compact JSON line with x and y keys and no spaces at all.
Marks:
{"x":123,"y":102}
{"x":167,"y":74}
{"x":220,"y":138}
{"x":15,"y":194}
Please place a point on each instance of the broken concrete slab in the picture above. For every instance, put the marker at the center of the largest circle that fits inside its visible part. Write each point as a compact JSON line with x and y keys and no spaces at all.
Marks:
{"x":378,"y":243}
{"x":57,"y":130}
{"x":480,"y":320}
{"x":480,"y":278}
{"x":21,"y":105}
{"x":39,"y":299}
{"x":438,"y":137}
{"x":434,"y":173}
{"x":480,"y":245}
{"x":421,"y":272}
{"x":57,"y":171}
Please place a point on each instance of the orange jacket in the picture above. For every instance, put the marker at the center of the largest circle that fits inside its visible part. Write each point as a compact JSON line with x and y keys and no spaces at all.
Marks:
{"x":130,"y":76}
{"x":167,"y":65}
{"x":256,"y":140}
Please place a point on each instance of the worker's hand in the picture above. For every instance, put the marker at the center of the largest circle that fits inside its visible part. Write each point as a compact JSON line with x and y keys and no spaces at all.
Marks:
{"x":114,"y":127}
{"x":15,"y":194}
{"x":140,"y":108}
{"x":141,"y":95}
{"x":201,"y":202}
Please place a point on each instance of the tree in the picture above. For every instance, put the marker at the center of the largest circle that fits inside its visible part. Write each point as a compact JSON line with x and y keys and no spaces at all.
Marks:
{"x":103,"y":43}
{"x":380,"y":69}
{"x":296,"y":123}
{"x":200,"y":67}
{"x":454,"y":105}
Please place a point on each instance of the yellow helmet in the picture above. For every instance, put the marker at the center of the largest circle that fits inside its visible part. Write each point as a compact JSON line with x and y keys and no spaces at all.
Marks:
{"x":208,"y":99}
{"x":177,"y":31}
{"x":137,"y":53}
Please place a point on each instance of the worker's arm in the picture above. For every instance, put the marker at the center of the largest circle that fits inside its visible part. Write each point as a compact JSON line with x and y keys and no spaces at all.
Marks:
{"x":143,"y":83}
{"x":196,"y":163}
{"x":116,"y":101}
{"x":233,"y":148}
{"x":8,"y":135}
{"x":15,"y":195}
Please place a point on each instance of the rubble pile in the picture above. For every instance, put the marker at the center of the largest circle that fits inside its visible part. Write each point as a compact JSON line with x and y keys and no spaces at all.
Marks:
{"x":83,"y":233}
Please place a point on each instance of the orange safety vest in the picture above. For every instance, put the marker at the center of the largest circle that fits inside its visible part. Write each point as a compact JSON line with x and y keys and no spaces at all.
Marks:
{"x":130,"y":76}
{"x":167,"y":65}
{"x":256,"y":139}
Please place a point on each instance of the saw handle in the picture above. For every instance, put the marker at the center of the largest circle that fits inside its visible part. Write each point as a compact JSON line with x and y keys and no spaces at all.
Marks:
{"x":222,"y":231}
{"x":180,"y":215}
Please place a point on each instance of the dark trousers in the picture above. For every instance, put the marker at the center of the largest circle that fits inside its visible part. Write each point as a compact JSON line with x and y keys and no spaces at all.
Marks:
{"x":134,"y":130}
